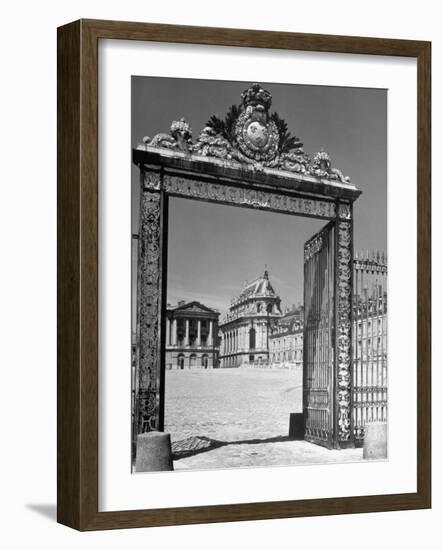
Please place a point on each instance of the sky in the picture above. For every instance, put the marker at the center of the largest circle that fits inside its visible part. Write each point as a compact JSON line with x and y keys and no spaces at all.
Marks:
{"x":214,"y":249}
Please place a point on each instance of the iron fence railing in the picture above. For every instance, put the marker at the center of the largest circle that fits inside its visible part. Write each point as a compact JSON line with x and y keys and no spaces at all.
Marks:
{"x":370,"y":379}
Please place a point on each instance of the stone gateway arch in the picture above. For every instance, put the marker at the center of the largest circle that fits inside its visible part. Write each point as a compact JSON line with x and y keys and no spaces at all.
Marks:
{"x":250,"y":159}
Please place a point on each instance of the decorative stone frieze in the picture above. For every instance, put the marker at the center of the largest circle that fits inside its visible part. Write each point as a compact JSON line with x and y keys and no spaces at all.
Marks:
{"x":198,"y":189}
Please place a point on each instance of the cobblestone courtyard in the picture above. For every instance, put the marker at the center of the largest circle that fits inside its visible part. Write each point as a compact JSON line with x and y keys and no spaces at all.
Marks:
{"x":226,"y":418}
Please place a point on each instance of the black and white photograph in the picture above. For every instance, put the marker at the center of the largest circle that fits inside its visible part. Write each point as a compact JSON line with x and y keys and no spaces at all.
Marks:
{"x":217,"y":285}
{"x":259,"y":274}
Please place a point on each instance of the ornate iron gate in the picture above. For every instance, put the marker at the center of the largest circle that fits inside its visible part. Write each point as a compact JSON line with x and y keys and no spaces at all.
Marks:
{"x":327,"y":367}
{"x":318,"y":337}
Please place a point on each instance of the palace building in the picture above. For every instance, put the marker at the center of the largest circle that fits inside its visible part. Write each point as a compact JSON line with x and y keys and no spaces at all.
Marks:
{"x":286,"y":340}
{"x":245,"y":329}
{"x":191,"y":336}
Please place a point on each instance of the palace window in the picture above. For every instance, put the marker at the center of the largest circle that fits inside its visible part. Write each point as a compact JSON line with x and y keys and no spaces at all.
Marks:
{"x":252,"y":338}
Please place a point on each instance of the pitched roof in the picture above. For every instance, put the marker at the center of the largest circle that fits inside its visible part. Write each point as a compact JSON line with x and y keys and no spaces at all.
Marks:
{"x":259,"y":287}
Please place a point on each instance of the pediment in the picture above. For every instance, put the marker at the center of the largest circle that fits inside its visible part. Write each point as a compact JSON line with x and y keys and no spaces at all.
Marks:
{"x":195,"y":307}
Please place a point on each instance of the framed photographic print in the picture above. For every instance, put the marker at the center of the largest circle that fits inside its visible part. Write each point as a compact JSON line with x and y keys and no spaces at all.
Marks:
{"x":243,"y":275}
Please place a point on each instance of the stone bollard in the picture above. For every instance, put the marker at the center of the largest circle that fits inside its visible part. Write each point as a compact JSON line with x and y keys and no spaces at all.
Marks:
{"x":375,"y":441}
{"x":296,"y":426}
{"x":154,"y":452}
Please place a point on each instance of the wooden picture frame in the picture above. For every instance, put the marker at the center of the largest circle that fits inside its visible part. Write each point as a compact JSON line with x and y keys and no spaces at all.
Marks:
{"x":77,"y":224}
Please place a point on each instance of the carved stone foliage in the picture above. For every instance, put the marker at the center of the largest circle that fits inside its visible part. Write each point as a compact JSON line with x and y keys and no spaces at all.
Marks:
{"x":343,"y":328}
{"x":149,"y":313}
{"x":344,"y":211}
{"x":249,"y":197}
{"x":321,"y":167}
{"x":252,"y":135}
{"x":152,"y":181}
{"x":180,"y":137}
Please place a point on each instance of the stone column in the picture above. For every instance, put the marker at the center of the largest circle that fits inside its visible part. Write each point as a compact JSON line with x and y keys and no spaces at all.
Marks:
{"x":167,"y":331}
{"x":210,"y":338}
{"x":174,"y":329}
{"x":198,"y":336}
{"x":186,"y":337}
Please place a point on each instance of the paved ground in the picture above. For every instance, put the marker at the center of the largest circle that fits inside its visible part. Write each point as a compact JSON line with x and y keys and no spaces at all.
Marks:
{"x":282,"y":453}
{"x":227,"y":418}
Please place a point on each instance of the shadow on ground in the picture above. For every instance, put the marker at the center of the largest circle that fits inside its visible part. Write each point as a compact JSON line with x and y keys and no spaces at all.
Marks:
{"x":195,"y":445}
{"x":47,"y":510}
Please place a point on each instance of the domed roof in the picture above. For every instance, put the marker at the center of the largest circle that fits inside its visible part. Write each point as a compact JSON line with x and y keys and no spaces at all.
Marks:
{"x":259,"y":287}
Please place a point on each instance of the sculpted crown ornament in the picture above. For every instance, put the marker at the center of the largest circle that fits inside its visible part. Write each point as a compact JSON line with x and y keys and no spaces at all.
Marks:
{"x":251,"y":135}
{"x":256,"y":95}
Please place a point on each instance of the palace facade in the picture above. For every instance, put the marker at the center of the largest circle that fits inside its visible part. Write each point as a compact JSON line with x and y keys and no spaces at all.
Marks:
{"x":246,"y":328}
{"x":191,"y":336}
{"x":286,"y":340}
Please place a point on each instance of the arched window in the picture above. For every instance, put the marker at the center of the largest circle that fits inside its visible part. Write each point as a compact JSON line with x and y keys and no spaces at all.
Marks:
{"x":205,"y":361}
{"x":192,"y":361}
